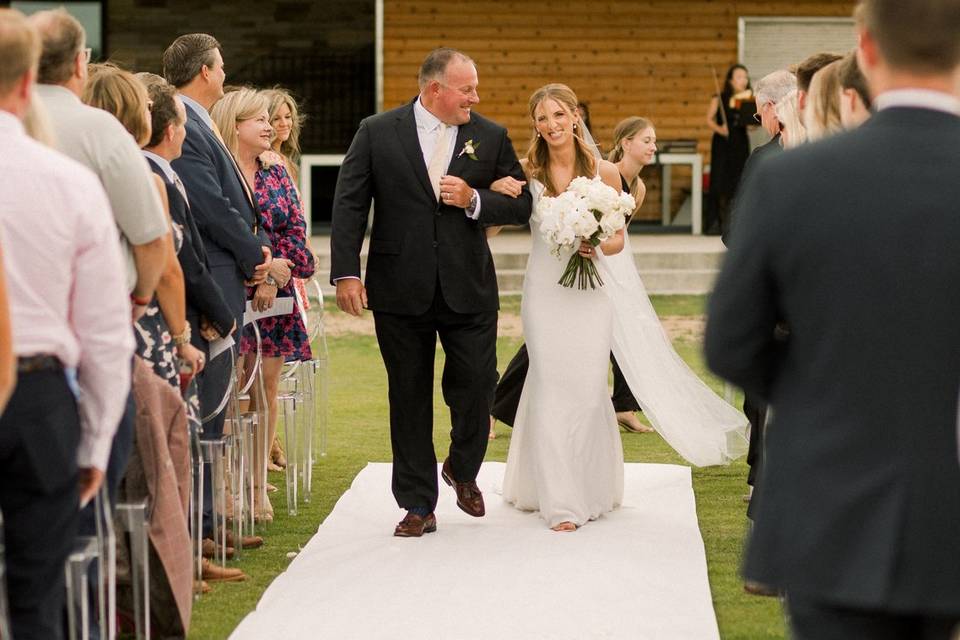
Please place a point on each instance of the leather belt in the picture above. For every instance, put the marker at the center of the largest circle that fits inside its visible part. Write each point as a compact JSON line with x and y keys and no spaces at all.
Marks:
{"x":32,"y":364}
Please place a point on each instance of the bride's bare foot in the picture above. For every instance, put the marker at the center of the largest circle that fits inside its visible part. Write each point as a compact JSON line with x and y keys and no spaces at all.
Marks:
{"x":493,"y":434}
{"x":565,"y":526}
{"x":629,"y":421}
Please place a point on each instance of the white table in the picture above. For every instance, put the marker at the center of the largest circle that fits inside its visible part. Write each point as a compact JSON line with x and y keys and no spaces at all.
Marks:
{"x":666,"y":162}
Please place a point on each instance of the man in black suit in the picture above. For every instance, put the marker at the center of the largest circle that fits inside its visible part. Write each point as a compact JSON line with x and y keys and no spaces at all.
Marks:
{"x":771,"y":89}
{"x":852,"y":241}
{"x":427,"y":166}
{"x":221,"y":201}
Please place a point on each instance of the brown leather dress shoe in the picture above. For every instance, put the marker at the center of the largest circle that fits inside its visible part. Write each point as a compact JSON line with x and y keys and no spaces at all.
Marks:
{"x":246,"y":542}
{"x":216,"y":573}
{"x":469,"y":498}
{"x":414,"y":526}
{"x":209,"y":548}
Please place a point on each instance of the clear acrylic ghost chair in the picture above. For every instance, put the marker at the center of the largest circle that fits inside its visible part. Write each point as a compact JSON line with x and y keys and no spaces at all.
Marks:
{"x":195,"y":510}
{"x":133,"y":517}
{"x":217,"y":453}
{"x":250,"y":435}
{"x":100,"y":548}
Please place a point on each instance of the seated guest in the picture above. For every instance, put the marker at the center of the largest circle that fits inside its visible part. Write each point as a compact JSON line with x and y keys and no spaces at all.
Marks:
{"x":244,"y":118}
{"x":162,"y":332}
{"x":821,"y":117}
{"x":69,"y":307}
{"x":854,"y":95}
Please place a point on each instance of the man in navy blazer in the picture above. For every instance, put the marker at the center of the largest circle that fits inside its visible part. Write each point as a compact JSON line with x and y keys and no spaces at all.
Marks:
{"x":852,"y":242}
{"x":238,"y":249}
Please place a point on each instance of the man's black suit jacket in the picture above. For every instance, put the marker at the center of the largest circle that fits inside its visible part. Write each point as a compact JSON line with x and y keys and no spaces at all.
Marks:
{"x":226,"y":219}
{"x":765,"y":151}
{"x":416,"y":242}
{"x":853,"y":242}
{"x":203,"y":294}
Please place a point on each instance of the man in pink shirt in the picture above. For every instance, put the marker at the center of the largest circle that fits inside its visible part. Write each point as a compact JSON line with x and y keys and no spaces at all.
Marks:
{"x":69,"y":308}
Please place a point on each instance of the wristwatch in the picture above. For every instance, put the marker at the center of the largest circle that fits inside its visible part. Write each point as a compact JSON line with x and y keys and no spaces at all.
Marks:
{"x":473,"y":201}
{"x":271,"y":281}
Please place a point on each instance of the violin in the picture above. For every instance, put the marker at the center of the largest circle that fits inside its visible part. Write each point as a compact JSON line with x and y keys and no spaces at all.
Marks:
{"x":738,"y":99}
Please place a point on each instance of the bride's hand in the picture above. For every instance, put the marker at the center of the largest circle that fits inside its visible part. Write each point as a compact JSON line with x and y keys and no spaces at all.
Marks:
{"x":586,"y":249}
{"x":508,"y":186}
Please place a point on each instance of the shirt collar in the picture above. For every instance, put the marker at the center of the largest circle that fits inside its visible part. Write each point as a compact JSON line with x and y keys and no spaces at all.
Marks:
{"x":162,"y":163}
{"x":49,"y":92}
{"x":426,"y":120}
{"x":918,"y":98}
{"x":10,"y":124}
{"x":198,"y":109}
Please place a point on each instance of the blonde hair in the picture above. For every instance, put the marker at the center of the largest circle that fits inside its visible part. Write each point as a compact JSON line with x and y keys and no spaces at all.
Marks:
{"x":36,"y":122}
{"x":626,"y":130}
{"x":538,"y":156}
{"x":822,"y":115}
{"x":235,"y":107}
{"x":290,"y":148}
{"x":19,"y":48}
{"x":118,"y":92}
{"x":788,"y":113}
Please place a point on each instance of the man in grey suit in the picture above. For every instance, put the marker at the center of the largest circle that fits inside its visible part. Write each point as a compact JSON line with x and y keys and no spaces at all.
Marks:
{"x":852,"y":242}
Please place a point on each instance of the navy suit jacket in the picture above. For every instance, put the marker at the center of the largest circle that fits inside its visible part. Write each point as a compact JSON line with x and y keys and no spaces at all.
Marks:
{"x":852,"y":242}
{"x":228,"y":222}
{"x":204,"y":296}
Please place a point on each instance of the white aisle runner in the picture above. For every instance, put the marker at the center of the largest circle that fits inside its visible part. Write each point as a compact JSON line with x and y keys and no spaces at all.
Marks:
{"x":636,"y":574}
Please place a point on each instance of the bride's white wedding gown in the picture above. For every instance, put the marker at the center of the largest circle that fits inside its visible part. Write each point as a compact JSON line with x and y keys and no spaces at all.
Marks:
{"x":566,"y":457}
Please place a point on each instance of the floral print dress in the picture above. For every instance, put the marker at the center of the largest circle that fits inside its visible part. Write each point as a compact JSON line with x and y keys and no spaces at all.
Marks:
{"x":281,"y":215}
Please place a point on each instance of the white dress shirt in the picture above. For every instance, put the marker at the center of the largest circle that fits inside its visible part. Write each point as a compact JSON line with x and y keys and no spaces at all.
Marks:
{"x":918,"y":98}
{"x":65,"y":279}
{"x":428,"y":130}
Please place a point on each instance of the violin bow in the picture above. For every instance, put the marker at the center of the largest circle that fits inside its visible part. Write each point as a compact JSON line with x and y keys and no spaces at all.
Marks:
{"x":716,"y":84}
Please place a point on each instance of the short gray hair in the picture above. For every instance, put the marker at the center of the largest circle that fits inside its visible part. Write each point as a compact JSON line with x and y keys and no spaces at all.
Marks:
{"x":775,"y":86}
{"x":436,"y":62}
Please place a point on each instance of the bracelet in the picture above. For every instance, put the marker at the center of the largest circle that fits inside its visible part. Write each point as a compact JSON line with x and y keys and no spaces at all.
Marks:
{"x":140,"y":301}
{"x":183,"y":338}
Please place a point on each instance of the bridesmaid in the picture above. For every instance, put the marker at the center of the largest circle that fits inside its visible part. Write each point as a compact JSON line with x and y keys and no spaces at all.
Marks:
{"x":730,"y":146}
{"x":243,"y":118}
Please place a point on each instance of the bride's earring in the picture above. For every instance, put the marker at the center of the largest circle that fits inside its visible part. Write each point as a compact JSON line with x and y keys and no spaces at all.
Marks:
{"x":538,"y":134}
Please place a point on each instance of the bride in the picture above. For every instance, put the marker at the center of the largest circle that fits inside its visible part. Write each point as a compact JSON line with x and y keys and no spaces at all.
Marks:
{"x":565,"y":458}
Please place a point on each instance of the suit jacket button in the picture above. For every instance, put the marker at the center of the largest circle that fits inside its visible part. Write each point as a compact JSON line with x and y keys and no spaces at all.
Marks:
{"x":435,"y":244}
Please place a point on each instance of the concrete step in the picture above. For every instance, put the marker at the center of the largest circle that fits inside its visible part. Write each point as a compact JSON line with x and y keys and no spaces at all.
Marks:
{"x":667,"y":264}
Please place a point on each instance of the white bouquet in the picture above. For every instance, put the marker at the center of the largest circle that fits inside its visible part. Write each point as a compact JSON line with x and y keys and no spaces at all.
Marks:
{"x":588,"y":211}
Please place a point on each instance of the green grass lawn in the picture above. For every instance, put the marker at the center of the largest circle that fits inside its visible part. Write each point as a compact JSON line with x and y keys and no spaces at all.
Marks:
{"x":359,"y":433}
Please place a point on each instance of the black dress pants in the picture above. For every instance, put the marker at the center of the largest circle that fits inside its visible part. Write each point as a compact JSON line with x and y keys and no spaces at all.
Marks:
{"x":811,"y":620}
{"x":507,"y":396}
{"x":39,"y":497}
{"x":408,"y":346}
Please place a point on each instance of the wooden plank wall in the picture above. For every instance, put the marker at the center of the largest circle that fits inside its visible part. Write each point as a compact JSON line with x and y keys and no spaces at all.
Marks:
{"x":623,"y":57}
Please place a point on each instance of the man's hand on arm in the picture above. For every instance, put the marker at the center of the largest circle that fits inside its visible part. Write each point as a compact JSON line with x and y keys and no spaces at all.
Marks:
{"x":351,"y":295}
{"x":261,"y":270}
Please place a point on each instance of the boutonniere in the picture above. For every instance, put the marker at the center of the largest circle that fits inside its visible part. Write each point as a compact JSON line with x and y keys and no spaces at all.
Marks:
{"x":469,"y":148}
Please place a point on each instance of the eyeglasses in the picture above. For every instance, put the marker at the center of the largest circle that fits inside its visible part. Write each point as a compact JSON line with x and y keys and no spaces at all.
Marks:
{"x":757,"y":116}
{"x":87,"y":54}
